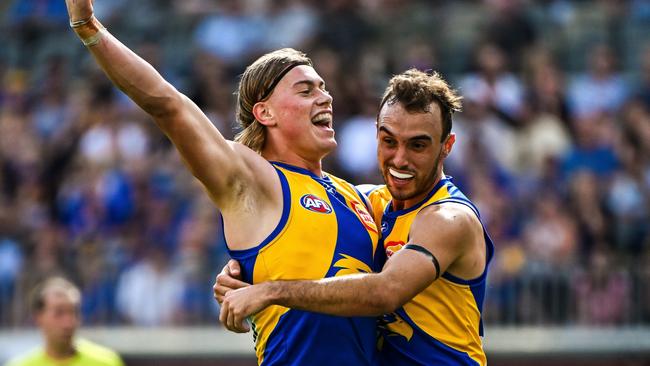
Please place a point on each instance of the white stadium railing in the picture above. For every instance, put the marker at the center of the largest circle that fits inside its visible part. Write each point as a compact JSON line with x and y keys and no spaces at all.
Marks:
{"x":521,"y":342}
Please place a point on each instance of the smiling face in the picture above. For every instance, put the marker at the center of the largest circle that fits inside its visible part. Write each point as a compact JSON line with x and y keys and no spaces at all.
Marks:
{"x":299,"y":114}
{"x":410,"y":153}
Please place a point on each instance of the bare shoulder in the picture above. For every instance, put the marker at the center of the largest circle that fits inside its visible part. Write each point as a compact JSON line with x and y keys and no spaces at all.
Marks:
{"x":257,"y":200}
{"x":452,"y":221}
{"x":453,"y":232}
{"x":253,"y":160}
{"x":259,"y":172}
{"x":449,"y":213}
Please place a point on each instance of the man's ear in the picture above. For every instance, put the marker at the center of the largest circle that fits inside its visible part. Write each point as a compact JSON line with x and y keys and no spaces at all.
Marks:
{"x":263,"y":114}
{"x":449,"y":144}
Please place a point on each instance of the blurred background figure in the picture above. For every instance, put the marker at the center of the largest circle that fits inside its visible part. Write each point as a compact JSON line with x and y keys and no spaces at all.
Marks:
{"x":602,"y":291}
{"x":56,"y":309}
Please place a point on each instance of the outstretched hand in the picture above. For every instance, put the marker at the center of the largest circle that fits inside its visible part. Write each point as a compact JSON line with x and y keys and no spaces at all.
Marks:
{"x":79,"y":9}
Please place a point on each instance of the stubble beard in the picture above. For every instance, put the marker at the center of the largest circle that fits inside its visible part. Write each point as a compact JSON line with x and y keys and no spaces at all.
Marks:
{"x":421,"y":186}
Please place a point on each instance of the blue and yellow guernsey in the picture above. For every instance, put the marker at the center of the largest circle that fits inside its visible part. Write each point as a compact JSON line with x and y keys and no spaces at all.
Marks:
{"x":326,"y":230}
{"x":442,"y":324}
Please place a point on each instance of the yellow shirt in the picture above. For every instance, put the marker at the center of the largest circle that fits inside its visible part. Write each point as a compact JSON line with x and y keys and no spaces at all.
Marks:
{"x":88,"y":354}
{"x":442,"y":324}
{"x":325,"y":231}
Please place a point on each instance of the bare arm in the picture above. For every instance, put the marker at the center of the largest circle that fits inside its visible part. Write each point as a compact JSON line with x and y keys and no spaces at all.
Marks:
{"x":225,"y":168}
{"x":443,"y":232}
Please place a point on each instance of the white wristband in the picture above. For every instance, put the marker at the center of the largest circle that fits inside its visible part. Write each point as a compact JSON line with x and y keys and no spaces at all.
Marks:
{"x":79,"y":23}
{"x":94,"y":39}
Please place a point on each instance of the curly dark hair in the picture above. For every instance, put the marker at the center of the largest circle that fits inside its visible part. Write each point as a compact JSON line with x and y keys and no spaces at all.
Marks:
{"x":416,"y":90}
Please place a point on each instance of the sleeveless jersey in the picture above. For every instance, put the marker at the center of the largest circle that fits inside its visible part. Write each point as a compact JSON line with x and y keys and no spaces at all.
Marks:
{"x":442,"y":324}
{"x":325,"y":231}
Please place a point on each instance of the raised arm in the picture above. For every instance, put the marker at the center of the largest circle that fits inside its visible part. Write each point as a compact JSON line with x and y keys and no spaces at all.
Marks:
{"x":224,"y":167}
{"x":448,"y":232}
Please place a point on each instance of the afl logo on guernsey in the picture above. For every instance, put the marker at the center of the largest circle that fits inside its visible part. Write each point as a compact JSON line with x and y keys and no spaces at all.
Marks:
{"x":315,"y":204}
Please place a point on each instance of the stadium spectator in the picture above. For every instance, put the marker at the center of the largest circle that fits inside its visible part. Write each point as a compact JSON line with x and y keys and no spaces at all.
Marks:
{"x":602,"y":291}
{"x":494,"y":85}
{"x":511,"y":28}
{"x":545,"y":129}
{"x":587,"y":204}
{"x":141,"y":306}
{"x":593,"y":149}
{"x":601,"y":88}
{"x":233,"y":34}
{"x":288,"y":23}
{"x":358,"y":144}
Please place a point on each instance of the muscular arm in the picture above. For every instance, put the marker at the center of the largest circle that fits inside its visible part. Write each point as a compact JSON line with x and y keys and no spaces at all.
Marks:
{"x":222,"y":166}
{"x":359,"y":294}
{"x":445,"y":232}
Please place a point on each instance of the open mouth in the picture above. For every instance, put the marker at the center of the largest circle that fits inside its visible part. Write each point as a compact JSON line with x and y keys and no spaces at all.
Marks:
{"x":323,"y":119}
{"x":399,"y":175}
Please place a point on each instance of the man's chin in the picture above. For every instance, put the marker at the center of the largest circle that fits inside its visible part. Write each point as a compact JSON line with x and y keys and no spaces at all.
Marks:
{"x":66,"y":338}
{"x":398,"y":194}
{"x":331,"y":145}
{"x":328,"y":147}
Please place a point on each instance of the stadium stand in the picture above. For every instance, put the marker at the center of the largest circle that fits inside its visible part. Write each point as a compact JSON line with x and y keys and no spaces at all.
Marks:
{"x":553,"y":146}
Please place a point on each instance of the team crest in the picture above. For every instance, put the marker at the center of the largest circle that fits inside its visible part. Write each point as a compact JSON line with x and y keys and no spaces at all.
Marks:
{"x":315,"y":204}
{"x":392,"y":247}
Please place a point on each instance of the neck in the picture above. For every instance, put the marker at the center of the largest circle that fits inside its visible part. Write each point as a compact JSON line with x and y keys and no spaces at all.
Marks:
{"x":290,"y":157}
{"x":60,"y":351}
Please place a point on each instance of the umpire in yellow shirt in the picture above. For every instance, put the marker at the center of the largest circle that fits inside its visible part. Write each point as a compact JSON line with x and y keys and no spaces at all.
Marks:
{"x":55,"y":305}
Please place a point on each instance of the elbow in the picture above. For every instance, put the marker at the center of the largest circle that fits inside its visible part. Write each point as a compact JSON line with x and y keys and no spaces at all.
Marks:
{"x":166,"y":104}
{"x":386,"y":300}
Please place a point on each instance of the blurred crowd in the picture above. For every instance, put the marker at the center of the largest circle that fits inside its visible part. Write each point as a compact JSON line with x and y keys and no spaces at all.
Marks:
{"x":553,"y":145}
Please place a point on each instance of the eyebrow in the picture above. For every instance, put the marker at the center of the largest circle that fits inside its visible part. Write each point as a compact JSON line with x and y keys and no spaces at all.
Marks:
{"x":414,"y":138}
{"x":421,"y":137}
{"x":382,"y":128}
{"x":321,"y":83}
